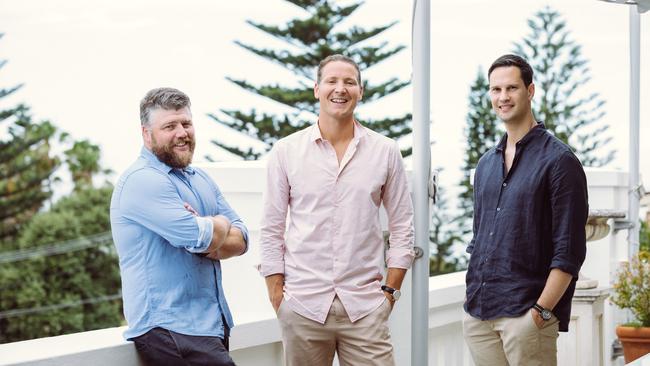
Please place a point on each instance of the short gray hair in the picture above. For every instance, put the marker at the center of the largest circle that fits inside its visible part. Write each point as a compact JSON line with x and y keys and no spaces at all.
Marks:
{"x":165,"y":98}
{"x":337,"y":57}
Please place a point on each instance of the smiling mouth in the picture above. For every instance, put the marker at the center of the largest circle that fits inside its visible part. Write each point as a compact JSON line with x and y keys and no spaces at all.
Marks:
{"x":182,"y":145}
{"x":338,"y":100}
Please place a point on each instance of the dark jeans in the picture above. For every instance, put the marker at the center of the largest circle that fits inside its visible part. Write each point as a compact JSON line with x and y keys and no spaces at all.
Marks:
{"x":161,"y":347}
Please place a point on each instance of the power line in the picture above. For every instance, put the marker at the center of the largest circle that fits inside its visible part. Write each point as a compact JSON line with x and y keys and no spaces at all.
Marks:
{"x":42,"y":309}
{"x":57,"y":248}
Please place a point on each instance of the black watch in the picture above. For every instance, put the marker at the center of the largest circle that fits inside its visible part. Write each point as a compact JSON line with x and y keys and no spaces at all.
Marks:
{"x":545,"y":313}
{"x":393,"y":291}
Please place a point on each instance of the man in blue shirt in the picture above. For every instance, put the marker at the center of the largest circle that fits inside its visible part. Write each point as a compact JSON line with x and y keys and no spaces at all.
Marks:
{"x":530,"y":210}
{"x":172,"y":226}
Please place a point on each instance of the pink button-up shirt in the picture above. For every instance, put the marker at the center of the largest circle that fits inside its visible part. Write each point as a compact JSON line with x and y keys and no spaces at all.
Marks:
{"x":334,"y":244}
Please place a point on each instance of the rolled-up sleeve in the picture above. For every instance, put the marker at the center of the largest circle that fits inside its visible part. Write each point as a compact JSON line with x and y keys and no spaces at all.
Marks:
{"x":206,"y":230}
{"x":399,"y":210}
{"x":276,"y":203}
{"x":570,"y":209}
{"x":163,"y":211}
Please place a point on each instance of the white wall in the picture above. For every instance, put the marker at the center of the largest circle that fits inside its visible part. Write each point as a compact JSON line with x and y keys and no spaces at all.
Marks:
{"x":256,"y":336}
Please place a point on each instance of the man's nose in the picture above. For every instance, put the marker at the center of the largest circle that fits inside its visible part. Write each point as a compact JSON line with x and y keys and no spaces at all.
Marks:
{"x":181,"y":131}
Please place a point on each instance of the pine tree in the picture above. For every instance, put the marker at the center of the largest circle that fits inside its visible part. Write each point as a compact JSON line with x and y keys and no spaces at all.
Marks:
{"x":444,"y":236}
{"x":316,"y":37}
{"x":482,"y":133}
{"x":63,"y":276}
{"x":82,"y":160}
{"x":75,"y":289}
{"x":26,"y":167}
{"x":561,"y":72}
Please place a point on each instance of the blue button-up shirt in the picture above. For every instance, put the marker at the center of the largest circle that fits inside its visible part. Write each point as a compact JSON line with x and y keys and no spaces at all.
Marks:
{"x":164,"y":284}
{"x":526,"y":222}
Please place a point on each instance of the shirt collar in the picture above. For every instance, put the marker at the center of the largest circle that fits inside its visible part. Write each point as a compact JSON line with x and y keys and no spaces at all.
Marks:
{"x":538,"y":130}
{"x":153,"y":159}
{"x":358,"y":133}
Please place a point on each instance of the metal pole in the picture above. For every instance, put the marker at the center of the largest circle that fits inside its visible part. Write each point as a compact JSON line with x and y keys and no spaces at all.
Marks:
{"x":421,"y":173}
{"x":634,"y":183}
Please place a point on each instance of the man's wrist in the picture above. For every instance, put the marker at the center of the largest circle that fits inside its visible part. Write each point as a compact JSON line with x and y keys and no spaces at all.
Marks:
{"x":391,"y":292}
{"x":543,"y":312}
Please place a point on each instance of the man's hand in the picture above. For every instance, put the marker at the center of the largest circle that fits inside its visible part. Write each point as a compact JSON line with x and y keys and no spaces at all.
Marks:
{"x":190,"y":209}
{"x":234,"y":245}
{"x":394,"y":279}
{"x":227,"y":241}
{"x":537,"y":318}
{"x":390,"y":300}
{"x":275,"y":287}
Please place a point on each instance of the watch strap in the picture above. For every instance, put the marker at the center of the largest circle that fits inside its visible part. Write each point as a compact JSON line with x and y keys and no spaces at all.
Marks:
{"x":543,"y":311}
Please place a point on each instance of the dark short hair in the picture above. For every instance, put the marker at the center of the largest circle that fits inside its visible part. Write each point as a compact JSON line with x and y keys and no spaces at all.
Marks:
{"x":165,"y":98}
{"x":337,"y":57}
{"x":516,"y":61}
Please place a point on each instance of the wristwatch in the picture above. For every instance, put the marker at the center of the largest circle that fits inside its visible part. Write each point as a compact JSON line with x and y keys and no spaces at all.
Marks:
{"x":545,"y":313}
{"x":393,"y":291}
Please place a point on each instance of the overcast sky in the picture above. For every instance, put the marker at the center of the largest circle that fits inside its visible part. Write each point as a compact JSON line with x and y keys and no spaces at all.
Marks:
{"x":86,"y":64}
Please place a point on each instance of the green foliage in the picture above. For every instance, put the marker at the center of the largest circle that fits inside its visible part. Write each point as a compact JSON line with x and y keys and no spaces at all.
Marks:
{"x":314,"y":36}
{"x":482,"y":133}
{"x":52,"y":280}
{"x":632,"y":288}
{"x":444,"y":236}
{"x":561,"y":72}
{"x":26,"y":167}
{"x":82,"y":160}
{"x":69,"y":292}
{"x":644,"y":237}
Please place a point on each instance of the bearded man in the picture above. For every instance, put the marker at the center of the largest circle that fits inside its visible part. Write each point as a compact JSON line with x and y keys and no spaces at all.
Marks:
{"x":171,"y":227}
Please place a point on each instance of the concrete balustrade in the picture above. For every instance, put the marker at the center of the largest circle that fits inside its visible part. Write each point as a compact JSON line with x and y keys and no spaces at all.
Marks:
{"x":256,"y":337}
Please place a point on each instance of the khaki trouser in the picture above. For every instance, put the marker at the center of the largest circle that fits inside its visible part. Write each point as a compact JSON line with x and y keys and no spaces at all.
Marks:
{"x":511,"y":341}
{"x":364,"y":342}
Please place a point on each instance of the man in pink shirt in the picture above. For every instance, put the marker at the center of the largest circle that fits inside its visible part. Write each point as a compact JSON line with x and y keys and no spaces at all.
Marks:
{"x":324,"y":273}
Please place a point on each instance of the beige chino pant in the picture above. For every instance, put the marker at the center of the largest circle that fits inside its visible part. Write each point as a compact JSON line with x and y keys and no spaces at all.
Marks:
{"x":364,"y":342}
{"x":511,"y":341}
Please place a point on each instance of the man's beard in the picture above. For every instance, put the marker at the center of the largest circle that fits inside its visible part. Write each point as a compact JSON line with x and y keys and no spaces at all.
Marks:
{"x":166,"y":154}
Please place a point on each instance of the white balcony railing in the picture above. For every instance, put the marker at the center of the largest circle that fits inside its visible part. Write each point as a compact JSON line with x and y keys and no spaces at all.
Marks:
{"x":256,"y":337}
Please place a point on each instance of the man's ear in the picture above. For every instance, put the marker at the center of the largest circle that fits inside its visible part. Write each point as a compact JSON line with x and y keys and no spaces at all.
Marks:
{"x":316,"y":90}
{"x":531,"y":91}
{"x":146,"y":136}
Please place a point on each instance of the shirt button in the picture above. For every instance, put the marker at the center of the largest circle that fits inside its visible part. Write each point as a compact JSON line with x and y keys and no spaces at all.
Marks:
{"x":483,"y":284}
{"x":491,"y":233}
{"x":505,"y":184}
{"x":498,"y":209}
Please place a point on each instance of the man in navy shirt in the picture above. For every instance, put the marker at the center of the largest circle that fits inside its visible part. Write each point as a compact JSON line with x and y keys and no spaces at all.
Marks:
{"x":172,"y":226}
{"x":530,"y":210}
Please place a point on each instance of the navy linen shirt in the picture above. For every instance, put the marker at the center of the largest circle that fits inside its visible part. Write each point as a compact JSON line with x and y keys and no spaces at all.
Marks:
{"x":526,"y":222}
{"x":164,"y":284}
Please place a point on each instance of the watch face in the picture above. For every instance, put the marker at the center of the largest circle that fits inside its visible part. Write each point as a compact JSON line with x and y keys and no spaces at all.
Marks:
{"x":397,"y":294}
{"x":546,"y":315}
